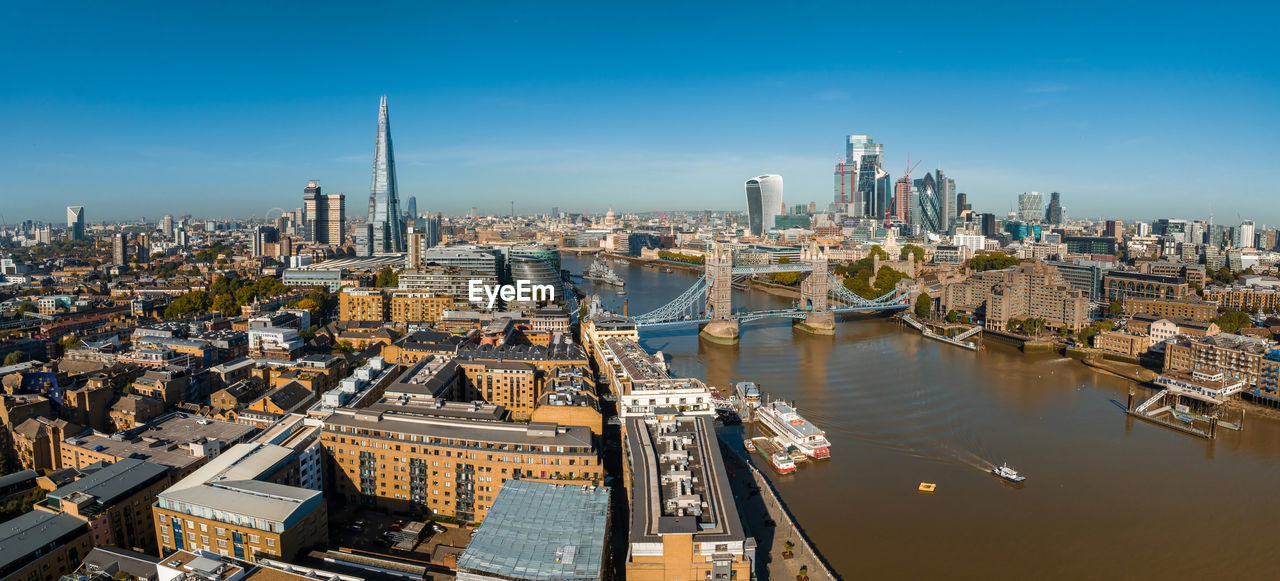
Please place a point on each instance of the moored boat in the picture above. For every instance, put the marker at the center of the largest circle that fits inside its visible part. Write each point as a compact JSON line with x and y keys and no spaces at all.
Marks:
{"x":793,"y":430}
{"x":782,"y":462}
{"x":748,"y":393}
{"x":749,"y":445}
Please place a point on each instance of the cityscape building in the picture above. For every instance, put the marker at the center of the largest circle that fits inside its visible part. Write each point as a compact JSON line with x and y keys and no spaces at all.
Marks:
{"x":764,"y":202}
{"x":1053,"y":214}
{"x":75,"y":222}
{"x":1030,"y":207}
{"x":324,"y":216}
{"x":384,"y":197}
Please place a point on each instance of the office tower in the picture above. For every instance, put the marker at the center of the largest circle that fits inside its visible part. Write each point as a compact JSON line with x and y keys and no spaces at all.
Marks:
{"x":1246,"y":234}
{"x":946,"y":193}
{"x":326,"y":215}
{"x":118,"y":253}
{"x":962,"y":203}
{"x":166,"y":226}
{"x":1144,"y":229}
{"x":764,"y":202}
{"x":75,"y":222}
{"x":859,"y":181}
{"x":1053,"y":214}
{"x":384,"y":199}
{"x":412,"y":207}
{"x":1030,"y":207}
{"x":1113,"y":228}
{"x":989,"y":225}
{"x":901,"y":211}
{"x":927,"y":211}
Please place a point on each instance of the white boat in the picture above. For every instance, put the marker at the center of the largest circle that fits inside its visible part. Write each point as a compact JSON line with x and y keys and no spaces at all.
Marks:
{"x":748,"y":393}
{"x":1007,"y":473}
{"x":794,"y":430}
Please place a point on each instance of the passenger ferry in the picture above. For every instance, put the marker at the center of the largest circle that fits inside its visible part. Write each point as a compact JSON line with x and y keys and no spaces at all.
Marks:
{"x":794,"y":430}
{"x":782,"y":462}
{"x":1007,"y":473}
{"x":748,"y":393}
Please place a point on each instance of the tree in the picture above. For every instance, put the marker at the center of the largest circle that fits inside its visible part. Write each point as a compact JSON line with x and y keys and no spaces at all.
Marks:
{"x":1231,"y":321}
{"x":387,"y":277}
{"x":878,"y":251}
{"x":913,"y":250}
{"x":952,"y":316}
{"x":225,"y":304}
{"x":14,"y":358}
{"x":70,"y":342}
{"x":344,"y":346}
{"x":924,"y":305}
{"x":1115,"y":308}
{"x":27,"y":307}
{"x":992,"y":261}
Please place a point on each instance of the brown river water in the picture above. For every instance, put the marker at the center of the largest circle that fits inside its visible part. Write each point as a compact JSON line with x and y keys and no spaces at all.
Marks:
{"x":1107,"y":497}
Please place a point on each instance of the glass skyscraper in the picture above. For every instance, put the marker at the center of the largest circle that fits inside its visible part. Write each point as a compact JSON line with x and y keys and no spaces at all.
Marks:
{"x":764,"y":202}
{"x":859,"y":179}
{"x":384,"y":199}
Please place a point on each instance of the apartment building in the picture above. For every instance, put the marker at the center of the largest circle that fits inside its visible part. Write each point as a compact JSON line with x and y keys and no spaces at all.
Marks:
{"x":1238,"y":357}
{"x":1245,"y":298}
{"x":42,"y":546}
{"x":1028,"y":290}
{"x":452,"y":459}
{"x":684,"y":519}
{"x":408,"y":306}
{"x":115,"y":501}
{"x":1185,"y":308}
{"x":239,"y":505}
{"x":363,"y":304}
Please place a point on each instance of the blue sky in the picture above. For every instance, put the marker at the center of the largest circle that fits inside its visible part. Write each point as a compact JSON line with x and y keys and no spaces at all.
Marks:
{"x":141,"y":108}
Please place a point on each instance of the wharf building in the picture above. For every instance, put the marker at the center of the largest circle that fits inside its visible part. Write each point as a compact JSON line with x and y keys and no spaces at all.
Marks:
{"x":638,"y":379}
{"x":1238,"y":357}
{"x":399,"y":306}
{"x":1245,"y":298}
{"x":541,"y":532}
{"x":179,"y":441}
{"x":1190,"y":307}
{"x":243,"y":504}
{"x":449,"y":458}
{"x":684,"y":520}
{"x":513,"y":375}
{"x":1121,"y":285}
{"x":1030,"y":289}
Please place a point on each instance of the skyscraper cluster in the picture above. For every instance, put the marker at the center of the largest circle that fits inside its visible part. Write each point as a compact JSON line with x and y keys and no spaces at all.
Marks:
{"x":861,"y":184}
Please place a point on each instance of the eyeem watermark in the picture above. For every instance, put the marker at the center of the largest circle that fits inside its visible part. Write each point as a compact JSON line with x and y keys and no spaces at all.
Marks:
{"x":522,"y":290}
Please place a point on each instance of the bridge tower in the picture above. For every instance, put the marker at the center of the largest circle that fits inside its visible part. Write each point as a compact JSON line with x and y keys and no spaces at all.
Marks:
{"x":722,"y":328}
{"x":814,"y":291}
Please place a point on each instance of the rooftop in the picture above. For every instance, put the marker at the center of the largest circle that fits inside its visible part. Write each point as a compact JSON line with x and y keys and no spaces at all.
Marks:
{"x":111,"y":484}
{"x":541,"y":531}
{"x":163,"y":441}
{"x":23,"y":535}
{"x":228,"y":483}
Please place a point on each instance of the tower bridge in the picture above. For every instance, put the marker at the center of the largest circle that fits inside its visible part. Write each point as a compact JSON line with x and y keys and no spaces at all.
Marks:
{"x":709,"y":301}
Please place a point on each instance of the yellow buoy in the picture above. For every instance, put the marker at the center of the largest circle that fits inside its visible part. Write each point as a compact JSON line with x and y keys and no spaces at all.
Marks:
{"x":927,"y":487}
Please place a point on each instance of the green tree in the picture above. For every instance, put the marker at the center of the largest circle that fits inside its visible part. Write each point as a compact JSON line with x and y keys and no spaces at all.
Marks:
{"x":1115,"y":308}
{"x":924,"y":305}
{"x":343,"y":346}
{"x":952,"y":316}
{"x":1231,"y":321}
{"x":225,"y":304}
{"x":27,"y":307}
{"x":878,"y":251}
{"x":992,"y":261}
{"x":70,"y":342}
{"x":387,"y":277}
{"x":14,"y":358}
{"x":912,"y":250}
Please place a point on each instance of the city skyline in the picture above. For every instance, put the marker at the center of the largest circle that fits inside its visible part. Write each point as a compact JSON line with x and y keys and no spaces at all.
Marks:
{"x":195,"y":134}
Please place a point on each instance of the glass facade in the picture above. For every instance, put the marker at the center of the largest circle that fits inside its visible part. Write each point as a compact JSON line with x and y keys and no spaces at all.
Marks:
{"x":384,"y":198}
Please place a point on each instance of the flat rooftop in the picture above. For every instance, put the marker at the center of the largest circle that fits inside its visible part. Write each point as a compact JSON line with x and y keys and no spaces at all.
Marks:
{"x":542,"y":532}
{"x":164,"y":442}
{"x":679,"y":483}
{"x":23,"y":535}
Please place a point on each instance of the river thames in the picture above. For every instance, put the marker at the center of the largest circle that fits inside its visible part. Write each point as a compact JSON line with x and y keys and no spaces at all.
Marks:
{"x":1106,"y":497}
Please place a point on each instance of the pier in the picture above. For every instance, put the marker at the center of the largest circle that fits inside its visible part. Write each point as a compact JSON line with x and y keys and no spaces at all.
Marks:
{"x":1167,"y":401}
{"x":958,"y":340}
{"x":770,"y":522}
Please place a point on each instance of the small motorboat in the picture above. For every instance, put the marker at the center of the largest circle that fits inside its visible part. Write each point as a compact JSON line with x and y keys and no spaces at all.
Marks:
{"x":749,"y":445}
{"x":1007,"y":473}
{"x":927,"y":487}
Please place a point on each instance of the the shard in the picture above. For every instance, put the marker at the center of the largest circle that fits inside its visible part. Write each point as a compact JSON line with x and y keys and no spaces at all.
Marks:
{"x":384,"y":199}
